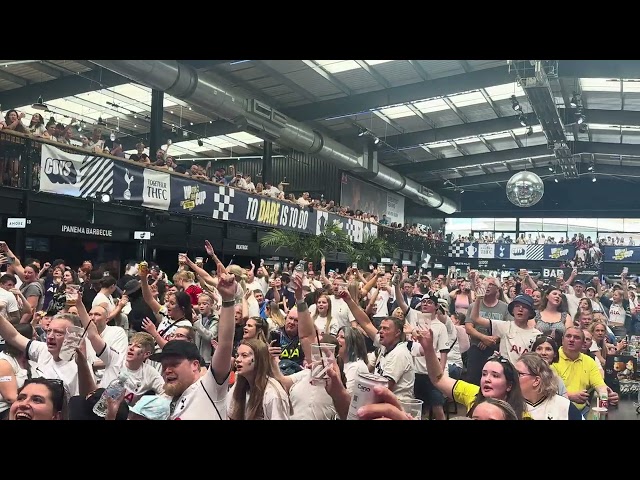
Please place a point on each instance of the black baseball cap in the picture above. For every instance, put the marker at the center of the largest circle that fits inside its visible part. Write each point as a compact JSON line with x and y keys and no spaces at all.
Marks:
{"x":177,"y":348}
{"x":577,"y":281}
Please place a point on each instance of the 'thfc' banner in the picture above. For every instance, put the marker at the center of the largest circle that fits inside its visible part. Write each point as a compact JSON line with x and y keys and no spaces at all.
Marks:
{"x":512,"y":251}
{"x":621,"y":254}
{"x":87,"y":175}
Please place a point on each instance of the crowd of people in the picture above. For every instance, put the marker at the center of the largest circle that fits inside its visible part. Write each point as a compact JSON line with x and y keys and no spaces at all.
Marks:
{"x":223,"y":342}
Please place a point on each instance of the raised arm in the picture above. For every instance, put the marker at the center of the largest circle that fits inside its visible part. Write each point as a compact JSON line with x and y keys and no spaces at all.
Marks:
{"x":443,"y":383}
{"x":361,"y":317}
{"x":94,"y":337}
{"x":203,"y":275}
{"x":369,"y":284}
{"x":220,"y":365}
{"x":399,"y":297}
{"x":306,"y":328}
{"x":9,"y":332}
{"x":146,"y":291}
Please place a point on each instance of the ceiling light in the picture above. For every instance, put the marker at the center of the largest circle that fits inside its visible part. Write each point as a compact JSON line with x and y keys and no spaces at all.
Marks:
{"x":590,"y":168}
{"x":523,"y":120}
{"x":461,"y":190}
{"x":529,"y":131}
{"x":555,"y":180}
{"x":376,"y":141}
{"x":40,"y":105}
{"x":101,"y":122}
{"x":200,"y":142}
{"x":171,"y":112}
{"x":580,"y":119}
{"x":593,"y":179}
{"x":361,"y":132}
{"x":550,"y":167}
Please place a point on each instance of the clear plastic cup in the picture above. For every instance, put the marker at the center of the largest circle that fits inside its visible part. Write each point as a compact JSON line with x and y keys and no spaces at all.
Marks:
{"x":322,"y":359}
{"x":413,"y":407}
{"x":72,"y":338}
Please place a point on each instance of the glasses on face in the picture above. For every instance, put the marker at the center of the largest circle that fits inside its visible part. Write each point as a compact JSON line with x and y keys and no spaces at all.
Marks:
{"x":523,"y":374}
{"x":177,"y":335}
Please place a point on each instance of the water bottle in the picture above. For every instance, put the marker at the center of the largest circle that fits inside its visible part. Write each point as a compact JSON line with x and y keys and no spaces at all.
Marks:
{"x":299,"y":269}
{"x":114,"y":390}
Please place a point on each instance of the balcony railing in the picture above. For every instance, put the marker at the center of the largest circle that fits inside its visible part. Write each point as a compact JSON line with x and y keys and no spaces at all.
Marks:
{"x":73,"y":171}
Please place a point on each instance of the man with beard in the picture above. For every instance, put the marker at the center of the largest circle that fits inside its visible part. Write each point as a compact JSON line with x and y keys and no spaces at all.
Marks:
{"x":194,"y":397}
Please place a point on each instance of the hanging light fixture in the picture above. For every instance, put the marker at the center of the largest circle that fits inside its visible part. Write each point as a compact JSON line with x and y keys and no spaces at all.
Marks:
{"x":101,"y":122}
{"x":40,"y":105}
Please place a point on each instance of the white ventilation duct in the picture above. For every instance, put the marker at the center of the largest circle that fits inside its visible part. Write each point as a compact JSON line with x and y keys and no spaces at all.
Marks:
{"x":261,"y":120}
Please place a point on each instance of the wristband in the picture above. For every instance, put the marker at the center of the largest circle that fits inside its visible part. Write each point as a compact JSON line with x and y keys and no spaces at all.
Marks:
{"x":228,"y":303}
{"x":302,"y":306}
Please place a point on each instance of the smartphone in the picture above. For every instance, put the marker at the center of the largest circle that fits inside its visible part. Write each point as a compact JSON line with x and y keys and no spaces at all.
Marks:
{"x":274,"y":337}
{"x":199,"y":260}
{"x":354,"y":265}
{"x":528,"y":291}
{"x":625,"y":270}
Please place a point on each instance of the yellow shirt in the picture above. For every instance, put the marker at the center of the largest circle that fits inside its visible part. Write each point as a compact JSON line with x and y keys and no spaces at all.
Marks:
{"x":579,"y":374}
{"x":465,"y":394}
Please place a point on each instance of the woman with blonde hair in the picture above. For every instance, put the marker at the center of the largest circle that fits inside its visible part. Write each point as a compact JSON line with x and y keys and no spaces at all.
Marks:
{"x":275,"y":318}
{"x":599,"y":332}
{"x":540,"y":390}
{"x":321,"y":316}
{"x":186,"y":281}
{"x":256,"y":395}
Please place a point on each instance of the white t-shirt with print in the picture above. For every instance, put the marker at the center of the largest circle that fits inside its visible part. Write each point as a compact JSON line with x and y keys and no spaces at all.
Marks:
{"x":340,"y":311}
{"x":514,"y":341}
{"x":12,"y":304}
{"x":145,"y":378}
{"x":275,"y":401}
{"x":206,"y":399}
{"x":321,"y":322}
{"x":441,"y":341}
{"x":47,"y":367}
{"x":617,"y":314}
{"x":351,"y":371}
{"x":309,"y":402}
{"x":397,"y":365}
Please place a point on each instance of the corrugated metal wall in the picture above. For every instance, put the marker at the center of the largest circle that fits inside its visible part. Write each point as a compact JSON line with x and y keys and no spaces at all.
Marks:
{"x":303,"y":172}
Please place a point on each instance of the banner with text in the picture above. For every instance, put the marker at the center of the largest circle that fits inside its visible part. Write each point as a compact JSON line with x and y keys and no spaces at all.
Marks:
{"x":512,"y":251}
{"x":87,"y":175}
{"x":614,"y":253}
{"x":360,"y":195}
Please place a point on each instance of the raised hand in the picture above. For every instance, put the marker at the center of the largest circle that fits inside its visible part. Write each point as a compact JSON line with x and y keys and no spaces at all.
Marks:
{"x":296,"y":284}
{"x":209,"y":248}
{"x":387,"y":407}
{"x":227,"y":284}
{"x":149,"y":327}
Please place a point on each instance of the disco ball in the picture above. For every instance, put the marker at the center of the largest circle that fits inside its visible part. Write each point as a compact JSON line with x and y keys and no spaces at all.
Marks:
{"x":525,"y":189}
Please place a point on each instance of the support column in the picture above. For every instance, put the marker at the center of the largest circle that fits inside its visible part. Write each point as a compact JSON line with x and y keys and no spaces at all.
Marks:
{"x":155,"y":135}
{"x":267,"y":163}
